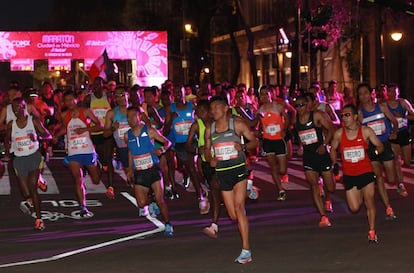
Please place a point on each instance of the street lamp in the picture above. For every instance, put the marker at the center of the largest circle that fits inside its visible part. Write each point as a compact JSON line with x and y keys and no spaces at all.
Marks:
{"x":396,"y":35}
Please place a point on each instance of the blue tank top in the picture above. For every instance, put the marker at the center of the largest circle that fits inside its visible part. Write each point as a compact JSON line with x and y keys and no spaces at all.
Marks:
{"x":123,"y":128}
{"x":182,"y":123}
{"x":377,"y":121}
{"x":142,"y":150}
{"x":402,"y":119}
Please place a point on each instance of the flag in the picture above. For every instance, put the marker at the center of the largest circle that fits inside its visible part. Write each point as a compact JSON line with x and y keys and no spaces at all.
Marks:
{"x":101,"y":67}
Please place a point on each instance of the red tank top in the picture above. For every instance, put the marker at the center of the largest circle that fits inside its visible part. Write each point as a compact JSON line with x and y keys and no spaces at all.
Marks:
{"x":355,"y":160}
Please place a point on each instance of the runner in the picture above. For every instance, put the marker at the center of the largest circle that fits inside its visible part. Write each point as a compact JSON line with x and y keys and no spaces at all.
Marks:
{"x":116,"y":124}
{"x":143,"y":164}
{"x":198,"y":129}
{"x":178,"y":118}
{"x":23,"y":133}
{"x":316,"y":161}
{"x":379,"y":118}
{"x":99,"y":104}
{"x":352,"y":142}
{"x":81,"y":151}
{"x":401,"y":146}
{"x":224,"y":137}
{"x":274,"y":121}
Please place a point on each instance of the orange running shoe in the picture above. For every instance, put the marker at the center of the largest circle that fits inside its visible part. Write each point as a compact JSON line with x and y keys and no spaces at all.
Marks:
{"x":372,"y":236}
{"x":110,"y":193}
{"x":390,"y":214}
{"x":42,"y":183}
{"x":328,"y":206}
{"x":39,"y":225}
{"x":324,"y":222}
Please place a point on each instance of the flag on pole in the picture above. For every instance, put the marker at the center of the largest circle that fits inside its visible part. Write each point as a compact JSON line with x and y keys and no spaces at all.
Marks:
{"x":101,"y":67}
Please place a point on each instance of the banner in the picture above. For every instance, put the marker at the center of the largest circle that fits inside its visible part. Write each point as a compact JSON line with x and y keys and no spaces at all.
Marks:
{"x":148,"y":48}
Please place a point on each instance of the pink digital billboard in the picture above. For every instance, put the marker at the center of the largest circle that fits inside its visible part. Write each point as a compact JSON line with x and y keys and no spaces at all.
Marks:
{"x":148,"y":48}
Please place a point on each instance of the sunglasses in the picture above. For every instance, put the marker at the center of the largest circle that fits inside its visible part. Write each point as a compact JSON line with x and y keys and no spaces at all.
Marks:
{"x":346,"y":115}
{"x":299,"y":105}
{"x":120,"y":94}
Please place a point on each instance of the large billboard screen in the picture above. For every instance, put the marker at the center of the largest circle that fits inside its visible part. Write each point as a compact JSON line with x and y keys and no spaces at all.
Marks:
{"x":148,"y":48}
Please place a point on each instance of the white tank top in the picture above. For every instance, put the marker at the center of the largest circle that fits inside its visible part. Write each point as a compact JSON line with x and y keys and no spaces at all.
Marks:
{"x":22,"y":144}
{"x":78,"y":144}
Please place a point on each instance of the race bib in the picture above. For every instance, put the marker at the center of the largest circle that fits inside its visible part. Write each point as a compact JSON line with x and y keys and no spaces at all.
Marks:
{"x":143,"y":162}
{"x":183,"y":127}
{"x":272,"y":129}
{"x":100,"y":113}
{"x":78,"y":142}
{"x":308,"y":136}
{"x":354,"y":154}
{"x":402,"y":123}
{"x":378,"y":126}
{"x":225,"y":151}
{"x":24,"y":144}
{"x":122,"y":130}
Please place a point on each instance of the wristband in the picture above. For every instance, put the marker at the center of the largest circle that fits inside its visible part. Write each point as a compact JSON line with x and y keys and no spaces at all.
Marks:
{"x":163,"y":150}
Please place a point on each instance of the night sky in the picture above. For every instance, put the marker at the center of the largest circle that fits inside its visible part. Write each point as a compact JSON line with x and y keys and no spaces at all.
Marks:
{"x":24,"y":14}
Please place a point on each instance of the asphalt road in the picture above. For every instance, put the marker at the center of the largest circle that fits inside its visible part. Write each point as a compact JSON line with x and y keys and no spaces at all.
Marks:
{"x":285,"y":236}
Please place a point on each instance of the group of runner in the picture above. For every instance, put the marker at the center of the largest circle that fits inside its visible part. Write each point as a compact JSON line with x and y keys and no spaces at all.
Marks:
{"x":210,"y":137}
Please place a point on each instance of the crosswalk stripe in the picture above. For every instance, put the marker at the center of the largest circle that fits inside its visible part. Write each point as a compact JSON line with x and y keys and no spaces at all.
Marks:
{"x":5,"y":188}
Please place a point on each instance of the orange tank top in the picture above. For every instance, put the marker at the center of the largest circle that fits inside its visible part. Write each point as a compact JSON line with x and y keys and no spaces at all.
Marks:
{"x":272,"y":124}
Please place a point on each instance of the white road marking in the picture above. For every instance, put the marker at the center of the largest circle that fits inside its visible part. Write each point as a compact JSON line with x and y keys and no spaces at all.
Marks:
{"x":159,"y":228}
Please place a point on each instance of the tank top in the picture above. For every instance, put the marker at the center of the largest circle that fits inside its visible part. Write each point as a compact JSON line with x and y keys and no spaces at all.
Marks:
{"x":21,"y":142}
{"x":355,"y":160}
{"x":377,"y":121}
{"x":182,"y":123}
{"x":223,"y":145}
{"x":122,"y":129}
{"x":99,"y":107}
{"x":272,"y":123}
{"x":78,"y":144}
{"x":310,"y":135}
{"x":142,"y":150}
{"x":402,"y":120}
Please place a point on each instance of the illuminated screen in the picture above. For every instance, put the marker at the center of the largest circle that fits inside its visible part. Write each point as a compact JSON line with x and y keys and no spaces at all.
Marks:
{"x":148,"y":48}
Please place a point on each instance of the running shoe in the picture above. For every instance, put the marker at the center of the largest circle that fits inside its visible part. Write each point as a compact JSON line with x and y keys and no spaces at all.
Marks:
{"x":372,"y":236}
{"x":253,"y":193}
{"x":169,"y":231}
{"x":186,"y":182}
{"x":244,"y":257}
{"x":324,"y":222}
{"x":168,"y":193}
{"x":85,"y":213}
{"x":154,"y":210}
{"x":204,"y":205}
{"x":281,"y":196}
{"x":328,"y":206}
{"x":143,"y":211}
{"x":26,"y":206}
{"x":402,"y":190}
{"x":42,"y":183}
{"x":285,"y":178}
{"x":211,"y":231}
{"x":390,"y":214}
{"x":110,"y":193}
{"x":39,"y":225}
